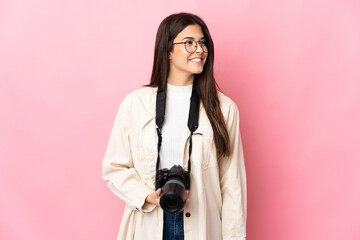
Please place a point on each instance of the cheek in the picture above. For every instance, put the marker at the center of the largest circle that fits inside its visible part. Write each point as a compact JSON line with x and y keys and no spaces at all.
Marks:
{"x":180,"y":56}
{"x":182,"y":53}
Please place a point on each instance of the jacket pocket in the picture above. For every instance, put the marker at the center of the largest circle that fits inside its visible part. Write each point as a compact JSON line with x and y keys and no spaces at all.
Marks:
{"x":203,"y":150}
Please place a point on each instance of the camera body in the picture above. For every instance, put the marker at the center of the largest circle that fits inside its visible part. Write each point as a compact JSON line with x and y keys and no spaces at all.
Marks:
{"x":174,"y":183}
{"x":163,"y":175}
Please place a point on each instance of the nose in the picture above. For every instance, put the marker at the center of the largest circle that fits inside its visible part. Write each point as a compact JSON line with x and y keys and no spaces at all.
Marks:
{"x":199,"y":48}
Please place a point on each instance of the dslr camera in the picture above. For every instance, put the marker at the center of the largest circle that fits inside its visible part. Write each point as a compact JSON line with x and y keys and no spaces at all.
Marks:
{"x":174,"y":183}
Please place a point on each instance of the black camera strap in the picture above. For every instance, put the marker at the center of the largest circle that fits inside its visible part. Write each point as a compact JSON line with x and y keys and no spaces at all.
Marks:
{"x":193,"y":119}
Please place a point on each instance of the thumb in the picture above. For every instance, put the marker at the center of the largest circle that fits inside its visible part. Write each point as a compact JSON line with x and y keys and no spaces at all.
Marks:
{"x":158,"y":191}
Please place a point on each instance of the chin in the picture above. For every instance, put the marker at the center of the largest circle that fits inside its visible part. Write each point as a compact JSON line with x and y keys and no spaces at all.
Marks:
{"x":198,"y":72}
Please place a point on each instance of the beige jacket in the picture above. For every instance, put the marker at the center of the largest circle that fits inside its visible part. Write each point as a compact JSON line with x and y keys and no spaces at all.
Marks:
{"x":217,"y":206}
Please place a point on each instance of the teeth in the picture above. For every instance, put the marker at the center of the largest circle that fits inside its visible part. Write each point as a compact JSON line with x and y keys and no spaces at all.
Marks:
{"x":195,"y":60}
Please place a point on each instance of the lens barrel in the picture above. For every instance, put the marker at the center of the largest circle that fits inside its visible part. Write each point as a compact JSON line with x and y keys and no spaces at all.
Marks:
{"x":173,"y":197}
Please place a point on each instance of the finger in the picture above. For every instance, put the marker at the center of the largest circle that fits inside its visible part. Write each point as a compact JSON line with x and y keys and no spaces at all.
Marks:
{"x":186,"y":202}
{"x":158,"y":191}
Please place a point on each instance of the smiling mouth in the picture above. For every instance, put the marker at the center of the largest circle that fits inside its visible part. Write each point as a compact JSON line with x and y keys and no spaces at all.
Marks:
{"x":196,"y":60}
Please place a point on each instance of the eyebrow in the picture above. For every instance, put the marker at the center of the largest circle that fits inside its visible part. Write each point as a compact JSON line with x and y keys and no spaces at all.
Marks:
{"x":192,"y":38}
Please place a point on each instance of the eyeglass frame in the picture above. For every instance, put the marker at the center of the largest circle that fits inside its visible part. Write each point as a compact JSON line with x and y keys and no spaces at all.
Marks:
{"x":196,"y":42}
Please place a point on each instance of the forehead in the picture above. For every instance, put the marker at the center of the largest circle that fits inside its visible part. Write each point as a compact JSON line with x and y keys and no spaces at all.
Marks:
{"x":193,"y":31}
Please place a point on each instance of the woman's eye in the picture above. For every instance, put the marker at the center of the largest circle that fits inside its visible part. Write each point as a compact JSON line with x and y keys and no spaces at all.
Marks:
{"x":189,"y":42}
{"x":203,"y":43}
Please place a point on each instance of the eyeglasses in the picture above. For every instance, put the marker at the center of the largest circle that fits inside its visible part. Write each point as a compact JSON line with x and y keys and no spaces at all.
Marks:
{"x":191,"y":45}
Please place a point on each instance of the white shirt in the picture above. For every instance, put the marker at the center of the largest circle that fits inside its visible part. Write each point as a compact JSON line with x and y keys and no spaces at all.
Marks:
{"x":174,"y":129}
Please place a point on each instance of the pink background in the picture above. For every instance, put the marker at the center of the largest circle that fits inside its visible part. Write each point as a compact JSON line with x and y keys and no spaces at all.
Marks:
{"x":292,"y":67}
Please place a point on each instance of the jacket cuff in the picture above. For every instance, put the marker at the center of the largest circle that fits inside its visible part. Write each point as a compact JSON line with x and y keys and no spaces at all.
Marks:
{"x":148,"y":207}
{"x":139,"y":200}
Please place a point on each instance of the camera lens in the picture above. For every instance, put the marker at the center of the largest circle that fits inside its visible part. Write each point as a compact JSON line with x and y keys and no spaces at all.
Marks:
{"x":174,"y":195}
{"x":171,"y":201}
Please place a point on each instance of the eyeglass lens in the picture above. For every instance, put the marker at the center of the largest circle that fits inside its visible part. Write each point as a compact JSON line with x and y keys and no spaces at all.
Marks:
{"x":191,"y":45}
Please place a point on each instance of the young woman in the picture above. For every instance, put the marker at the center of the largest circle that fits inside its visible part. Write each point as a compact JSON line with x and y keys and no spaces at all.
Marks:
{"x":215,"y":207}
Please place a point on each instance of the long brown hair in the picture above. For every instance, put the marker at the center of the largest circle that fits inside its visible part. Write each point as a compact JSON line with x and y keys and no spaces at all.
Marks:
{"x":204,"y":82}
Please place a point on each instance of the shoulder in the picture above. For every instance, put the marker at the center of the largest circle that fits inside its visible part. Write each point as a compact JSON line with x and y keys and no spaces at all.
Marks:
{"x":228,"y":107}
{"x":140,"y":96}
{"x":226,"y":103}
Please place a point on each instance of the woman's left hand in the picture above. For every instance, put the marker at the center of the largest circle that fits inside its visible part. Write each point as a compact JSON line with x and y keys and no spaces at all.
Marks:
{"x":187,"y":200}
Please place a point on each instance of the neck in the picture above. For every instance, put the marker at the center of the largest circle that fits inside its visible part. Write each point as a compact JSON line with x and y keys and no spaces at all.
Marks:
{"x":180,"y":79}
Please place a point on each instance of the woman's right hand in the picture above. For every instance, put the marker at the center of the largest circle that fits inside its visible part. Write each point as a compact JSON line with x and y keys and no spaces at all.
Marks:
{"x":154,"y":198}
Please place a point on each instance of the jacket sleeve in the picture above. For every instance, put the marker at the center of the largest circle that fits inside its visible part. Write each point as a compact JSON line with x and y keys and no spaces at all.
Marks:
{"x":233,"y":183}
{"x":118,"y":169}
